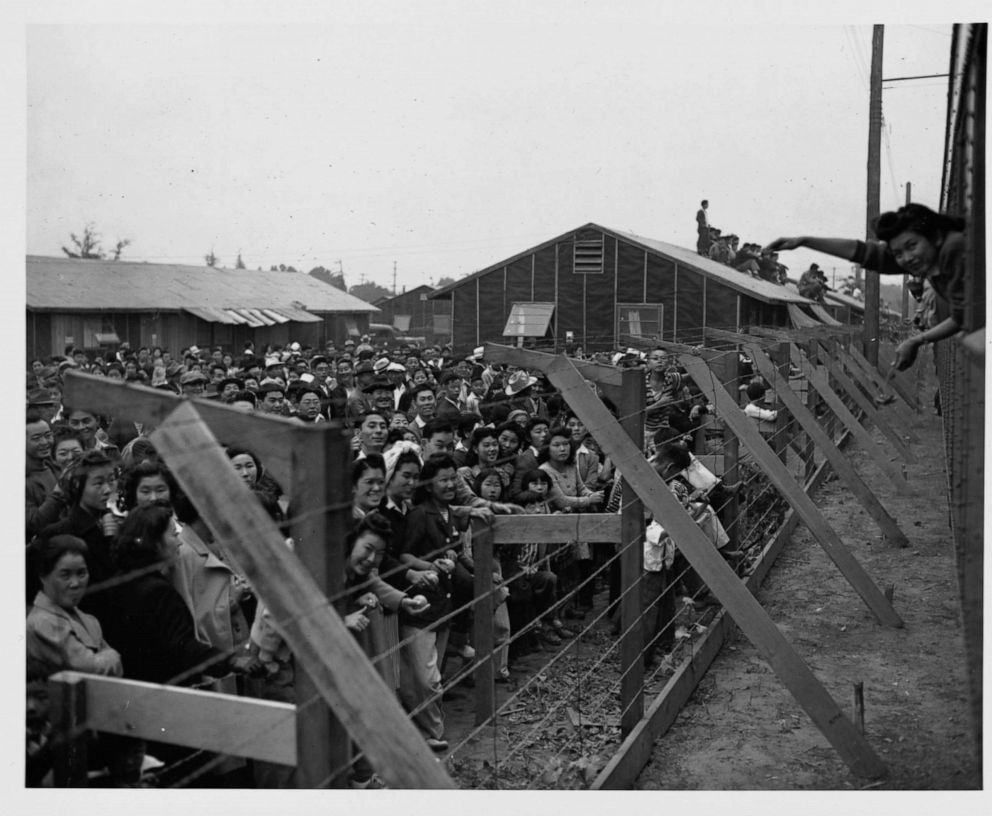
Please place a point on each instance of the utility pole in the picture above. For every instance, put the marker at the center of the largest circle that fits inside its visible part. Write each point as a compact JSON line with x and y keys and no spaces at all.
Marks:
{"x":394,"y":278}
{"x":905,"y":278}
{"x":871,"y":331}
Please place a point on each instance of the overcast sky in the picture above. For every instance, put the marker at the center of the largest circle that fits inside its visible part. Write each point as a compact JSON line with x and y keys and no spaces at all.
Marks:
{"x":446,"y":138}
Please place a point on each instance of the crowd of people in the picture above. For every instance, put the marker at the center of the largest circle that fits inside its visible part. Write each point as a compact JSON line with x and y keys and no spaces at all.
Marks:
{"x":751,"y":259}
{"x":125,"y":578}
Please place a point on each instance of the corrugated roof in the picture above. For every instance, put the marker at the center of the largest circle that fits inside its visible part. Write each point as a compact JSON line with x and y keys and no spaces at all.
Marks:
{"x":71,"y":284}
{"x":754,"y":287}
{"x":845,"y":300}
{"x":800,"y":319}
{"x":824,"y":315}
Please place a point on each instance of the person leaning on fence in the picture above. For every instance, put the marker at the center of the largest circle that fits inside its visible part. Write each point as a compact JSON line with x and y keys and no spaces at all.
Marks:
{"x":366,"y":596}
{"x":755,"y":409}
{"x":569,"y":495}
{"x":913,"y":240}
{"x":432,"y":530}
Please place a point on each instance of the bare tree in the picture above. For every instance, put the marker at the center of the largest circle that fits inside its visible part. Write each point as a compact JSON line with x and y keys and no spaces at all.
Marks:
{"x":211,"y":258}
{"x":239,"y":264}
{"x":86,"y":246}
{"x":120,"y":246}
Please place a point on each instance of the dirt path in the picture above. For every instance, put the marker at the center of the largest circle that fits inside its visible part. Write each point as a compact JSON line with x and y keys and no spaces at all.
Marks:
{"x":743,"y":731}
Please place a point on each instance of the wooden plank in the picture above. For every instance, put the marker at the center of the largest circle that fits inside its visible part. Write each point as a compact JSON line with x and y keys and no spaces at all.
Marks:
{"x":904,"y":387}
{"x":818,"y":379}
{"x":779,"y":475}
{"x":239,"y":726}
{"x":729,"y":370}
{"x":871,"y":412}
{"x":634,"y":753}
{"x":482,"y":621}
{"x":539,"y":360}
{"x":780,"y":440}
{"x":840,"y":463}
{"x":70,"y":739}
{"x":315,"y":633}
{"x":713,"y":462}
{"x":714,"y":571}
{"x":557,"y":529}
{"x":874,"y":385}
{"x":631,"y":405}
{"x":320,"y":520}
{"x":269,"y":437}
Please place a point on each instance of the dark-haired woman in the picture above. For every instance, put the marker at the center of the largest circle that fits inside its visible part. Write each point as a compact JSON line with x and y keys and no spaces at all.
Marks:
{"x":483,"y":454}
{"x":569,"y":494}
{"x":914,"y":240}
{"x":147,"y":482}
{"x":58,"y":634}
{"x":433,"y":537}
{"x":151,"y":625}
{"x":88,"y":487}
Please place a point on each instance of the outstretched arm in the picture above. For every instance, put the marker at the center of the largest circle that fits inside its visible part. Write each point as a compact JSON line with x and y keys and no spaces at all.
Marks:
{"x":907,"y":349}
{"x":838,"y":247}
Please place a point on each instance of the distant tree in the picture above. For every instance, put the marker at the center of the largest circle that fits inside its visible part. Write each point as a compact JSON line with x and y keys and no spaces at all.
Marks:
{"x":85,"y":246}
{"x":370,"y":292}
{"x":283,"y":268}
{"x":239,"y":264}
{"x":120,"y":246}
{"x":211,"y":258}
{"x":335,"y":279}
{"x":444,"y":282}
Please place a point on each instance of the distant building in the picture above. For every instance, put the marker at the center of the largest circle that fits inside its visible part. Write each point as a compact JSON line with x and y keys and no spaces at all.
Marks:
{"x":97,"y":303}
{"x":413,"y":313}
{"x":595,"y":287}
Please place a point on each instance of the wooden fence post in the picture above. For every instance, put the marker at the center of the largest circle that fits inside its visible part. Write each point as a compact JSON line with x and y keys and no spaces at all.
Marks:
{"x":69,"y":734}
{"x":318,"y":638}
{"x":320,"y":518}
{"x":483,"y":611}
{"x":793,"y":493}
{"x":838,"y":461}
{"x":780,"y":356}
{"x":717,"y":574}
{"x":631,"y":409}
{"x":729,"y":374}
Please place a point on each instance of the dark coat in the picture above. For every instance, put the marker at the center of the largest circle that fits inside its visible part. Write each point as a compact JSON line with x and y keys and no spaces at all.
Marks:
{"x":153,"y":630}
{"x":83,"y":524}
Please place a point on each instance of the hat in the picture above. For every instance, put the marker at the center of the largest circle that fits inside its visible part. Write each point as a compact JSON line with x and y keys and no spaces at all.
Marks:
{"x":477,"y":354}
{"x":364,"y":367}
{"x":40,"y":396}
{"x":518,"y":382}
{"x":174,"y":368}
{"x":396,"y":367}
{"x":378,"y":384}
{"x":349,"y":341}
{"x":272,"y":361}
{"x":381,"y":365}
{"x":191,"y":377}
{"x":294,"y":346}
{"x":194,"y":350}
{"x":316,"y":360}
{"x":516,"y":411}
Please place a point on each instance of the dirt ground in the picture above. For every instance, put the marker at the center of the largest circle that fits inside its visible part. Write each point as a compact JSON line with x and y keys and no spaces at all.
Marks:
{"x":742,"y":730}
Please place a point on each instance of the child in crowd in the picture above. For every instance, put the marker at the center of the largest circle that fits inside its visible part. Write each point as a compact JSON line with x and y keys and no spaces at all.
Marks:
{"x":532,"y":584}
{"x":756,"y":410}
